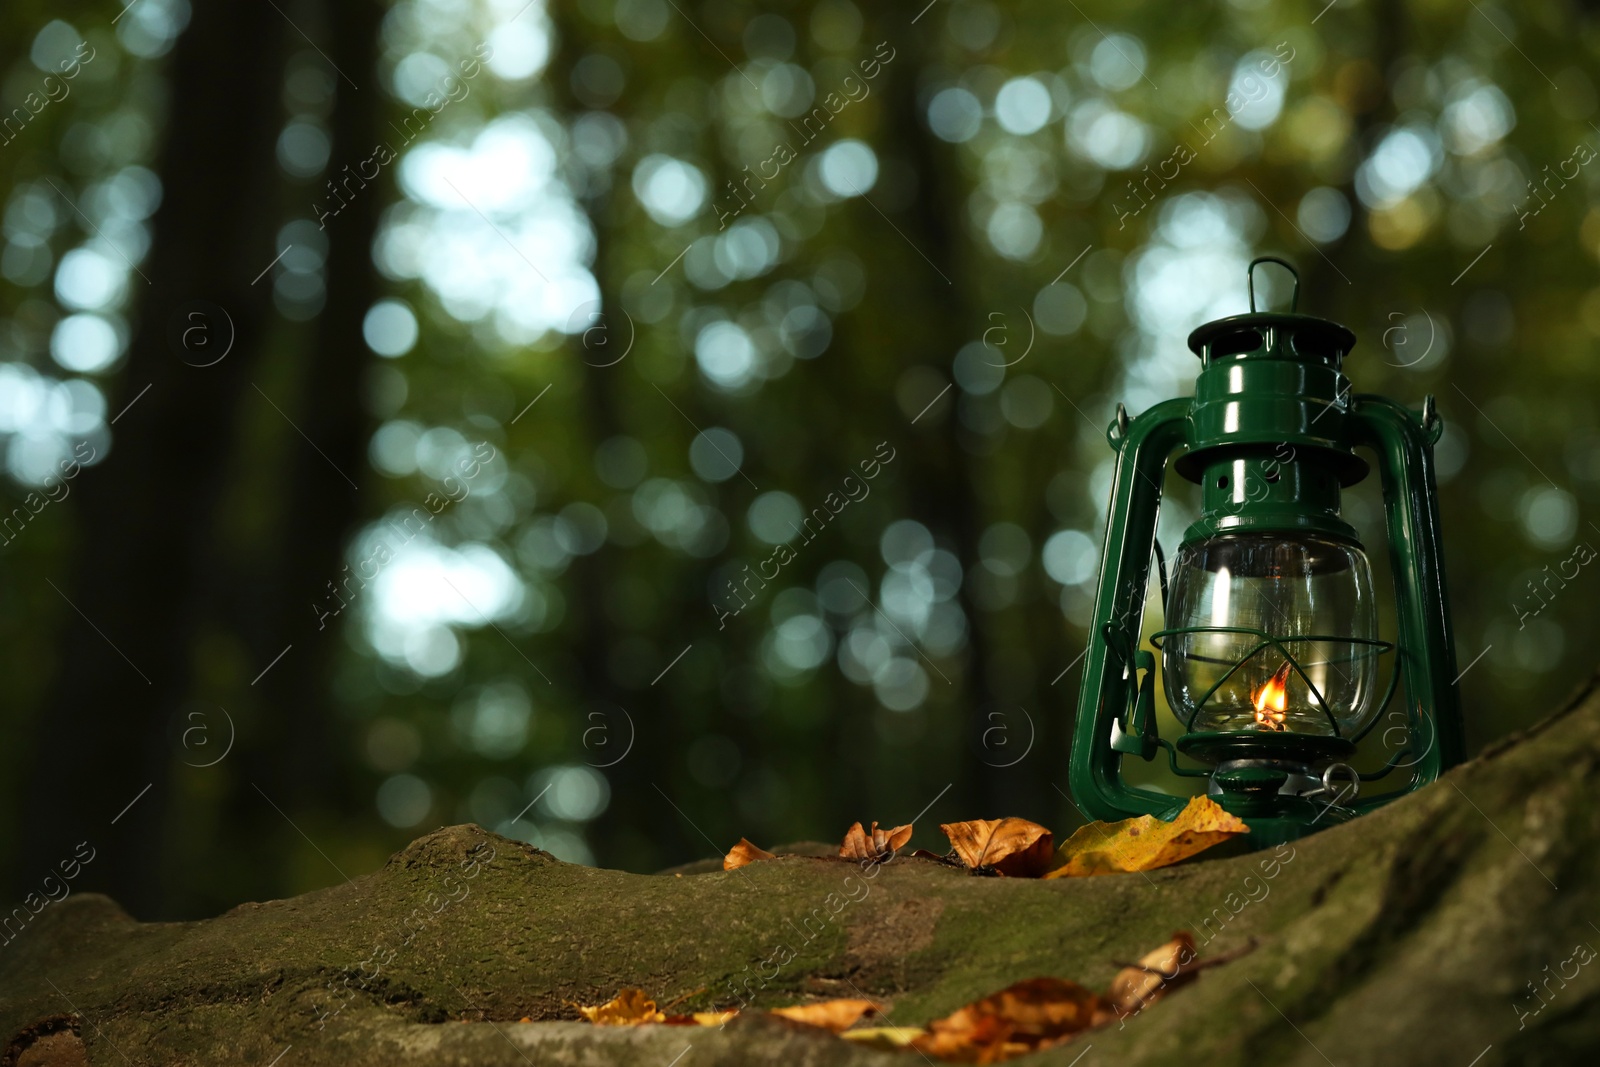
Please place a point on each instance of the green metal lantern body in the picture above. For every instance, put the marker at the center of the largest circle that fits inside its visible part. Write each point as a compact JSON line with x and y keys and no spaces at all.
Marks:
{"x":1271,"y":653}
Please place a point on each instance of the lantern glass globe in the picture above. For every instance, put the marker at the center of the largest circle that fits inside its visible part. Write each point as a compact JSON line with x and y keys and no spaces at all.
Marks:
{"x":1311,"y":593}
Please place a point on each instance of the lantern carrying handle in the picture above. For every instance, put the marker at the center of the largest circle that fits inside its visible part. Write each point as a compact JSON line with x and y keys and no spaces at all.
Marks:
{"x":1250,"y":280}
{"x":1431,"y":425}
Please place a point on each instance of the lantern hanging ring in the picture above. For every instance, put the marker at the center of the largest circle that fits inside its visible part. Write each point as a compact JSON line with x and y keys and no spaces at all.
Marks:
{"x":1250,"y":280}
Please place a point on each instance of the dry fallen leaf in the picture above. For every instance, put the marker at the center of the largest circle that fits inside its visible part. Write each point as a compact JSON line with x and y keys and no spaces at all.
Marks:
{"x":1025,"y":1017}
{"x":834,"y":1015}
{"x":1172,"y":966}
{"x":742,"y":853}
{"x":988,"y":1041}
{"x":1021,"y":1018}
{"x":629,"y":1007}
{"x":888,"y":1038}
{"x":1145,"y":843}
{"x":701,"y":1018}
{"x":1157,"y":973}
{"x":1016,"y":848}
{"x":877,"y":845}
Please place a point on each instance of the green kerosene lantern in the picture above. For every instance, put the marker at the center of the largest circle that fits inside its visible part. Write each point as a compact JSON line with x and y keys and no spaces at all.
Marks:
{"x":1271,"y":655}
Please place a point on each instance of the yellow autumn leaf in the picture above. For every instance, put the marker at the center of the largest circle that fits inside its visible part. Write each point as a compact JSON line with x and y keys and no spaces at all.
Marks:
{"x":1145,"y":843}
{"x":834,"y":1015}
{"x":888,"y":1038}
{"x":630,"y":1007}
{"x":701,"y":1018}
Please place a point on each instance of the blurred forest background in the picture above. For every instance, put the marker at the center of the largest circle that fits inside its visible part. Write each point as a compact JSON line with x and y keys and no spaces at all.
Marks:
{"x":397,"y":399}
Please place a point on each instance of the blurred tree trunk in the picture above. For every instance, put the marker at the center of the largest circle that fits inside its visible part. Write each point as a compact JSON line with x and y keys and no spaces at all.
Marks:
{"x":1326,"y":283}
{"x":633,"y":781}
{"x":107,"y":728}
{"x":941,"y":473}
{"x":298,"y":755}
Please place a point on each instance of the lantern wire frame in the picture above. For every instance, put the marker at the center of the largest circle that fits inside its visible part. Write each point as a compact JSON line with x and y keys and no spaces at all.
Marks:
{"x":1269,"y":640}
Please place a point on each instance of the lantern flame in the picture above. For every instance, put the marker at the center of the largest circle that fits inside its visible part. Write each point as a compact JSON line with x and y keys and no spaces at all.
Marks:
{"x":1272,"y":699}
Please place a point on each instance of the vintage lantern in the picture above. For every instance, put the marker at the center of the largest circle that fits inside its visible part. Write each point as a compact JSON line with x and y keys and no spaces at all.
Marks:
{"x":1271,"y":655}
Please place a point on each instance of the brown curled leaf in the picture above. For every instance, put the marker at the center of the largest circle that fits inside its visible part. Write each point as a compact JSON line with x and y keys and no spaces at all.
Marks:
{"x":742,"y":853}
{"x":878,"y":845}
{"x":1012,"y":847}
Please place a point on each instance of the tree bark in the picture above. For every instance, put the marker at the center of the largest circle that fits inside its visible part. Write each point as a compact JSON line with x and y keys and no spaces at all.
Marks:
{"x":1455,"y":903}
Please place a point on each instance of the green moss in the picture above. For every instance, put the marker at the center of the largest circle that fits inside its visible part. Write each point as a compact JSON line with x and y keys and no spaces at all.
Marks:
{"x":1440,"y":907}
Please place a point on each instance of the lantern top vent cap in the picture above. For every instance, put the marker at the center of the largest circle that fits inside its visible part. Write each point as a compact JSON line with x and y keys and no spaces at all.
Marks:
{"x":1304,"y":335}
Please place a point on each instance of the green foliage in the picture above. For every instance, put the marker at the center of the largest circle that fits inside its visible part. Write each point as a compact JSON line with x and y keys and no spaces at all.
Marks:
{"x":667,"y":262}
